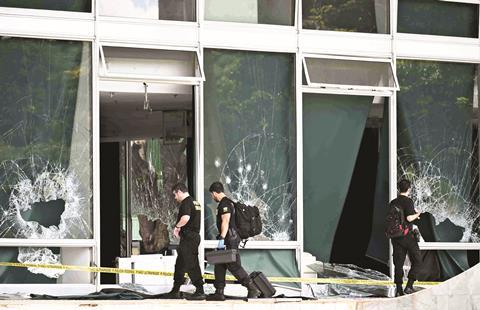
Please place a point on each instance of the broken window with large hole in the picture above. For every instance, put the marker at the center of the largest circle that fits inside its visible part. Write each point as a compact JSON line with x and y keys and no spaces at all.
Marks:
{"x":45,"y":143}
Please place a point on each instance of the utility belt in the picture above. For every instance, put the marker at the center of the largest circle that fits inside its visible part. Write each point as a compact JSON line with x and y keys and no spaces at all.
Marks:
{"x":188,"y":233}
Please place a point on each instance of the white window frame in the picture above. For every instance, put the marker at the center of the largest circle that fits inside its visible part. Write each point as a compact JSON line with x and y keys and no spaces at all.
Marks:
{"x":108,"y":76}
{"x":344,"y":88}
{"x":462,"y":1}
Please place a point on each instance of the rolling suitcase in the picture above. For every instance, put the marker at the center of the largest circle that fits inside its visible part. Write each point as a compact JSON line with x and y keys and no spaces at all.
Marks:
{"x":221,"y":256}
{"x":262,"y":283}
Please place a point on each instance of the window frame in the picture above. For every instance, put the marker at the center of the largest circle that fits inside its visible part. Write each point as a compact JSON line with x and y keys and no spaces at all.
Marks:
{"x":345,"y":88}
{"x":152,"y":78}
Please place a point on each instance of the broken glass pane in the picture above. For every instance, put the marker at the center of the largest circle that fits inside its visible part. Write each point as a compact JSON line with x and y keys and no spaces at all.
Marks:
{"x":348,"y":271}
{"x":438,"y":152}
{"x":45,"y":139}
{"x":156,"y":168}
{"x":438,"y":147}
{"x":51,"y":256}
{"x":250,"y":143}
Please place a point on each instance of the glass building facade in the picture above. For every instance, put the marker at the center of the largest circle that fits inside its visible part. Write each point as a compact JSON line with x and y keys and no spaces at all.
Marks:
{"x":310,"y":110}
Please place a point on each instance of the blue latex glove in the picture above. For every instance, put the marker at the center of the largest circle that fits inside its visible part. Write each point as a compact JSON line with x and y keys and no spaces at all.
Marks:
{"x":221,"y":244}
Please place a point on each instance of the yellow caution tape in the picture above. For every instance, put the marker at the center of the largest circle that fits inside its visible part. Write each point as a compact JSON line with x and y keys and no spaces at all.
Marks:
{"x":207,"y":276}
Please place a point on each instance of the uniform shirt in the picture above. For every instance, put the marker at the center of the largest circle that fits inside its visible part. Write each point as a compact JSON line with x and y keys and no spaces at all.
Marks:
{"x":406,"y":204}
{"x":225,"y":206}
{"x":188,"y":207}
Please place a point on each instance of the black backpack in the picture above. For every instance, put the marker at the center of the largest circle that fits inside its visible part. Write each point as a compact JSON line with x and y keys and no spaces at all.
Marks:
{"x":395,"y":225}
{"x":247,"y":220}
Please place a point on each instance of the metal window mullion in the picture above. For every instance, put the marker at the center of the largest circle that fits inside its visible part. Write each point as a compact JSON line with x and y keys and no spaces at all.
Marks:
{"x":297,"y":19}
{"x":200,"y":65}
{"x":395,"y":78}
{"x":299,"y":155}
{"x":95,"y":142}
{"x":199,"y":165}
{"x":102,"y":58}
{"x":392,"y":147}
{"x":305,"y":70}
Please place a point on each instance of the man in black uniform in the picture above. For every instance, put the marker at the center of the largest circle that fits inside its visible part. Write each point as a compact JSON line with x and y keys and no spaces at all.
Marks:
{"x":228,"y":238}
{"x":188,"y":230}
{"x":406,"y":244}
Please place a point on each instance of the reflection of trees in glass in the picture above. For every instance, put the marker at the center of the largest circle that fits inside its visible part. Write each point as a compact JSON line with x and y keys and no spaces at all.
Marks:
{"x":39,"y":85}
{"x":370,"y":16}
{"x":250,"y":126}
{"x":44,"y":116}
{"x":436,"y":147}
{"x":438,"y":18}
{"x":57,"y":5}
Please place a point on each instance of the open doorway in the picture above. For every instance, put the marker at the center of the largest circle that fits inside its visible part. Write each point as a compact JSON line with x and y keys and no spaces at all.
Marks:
{"x":367,"y":189}
{"x":147,"y":146}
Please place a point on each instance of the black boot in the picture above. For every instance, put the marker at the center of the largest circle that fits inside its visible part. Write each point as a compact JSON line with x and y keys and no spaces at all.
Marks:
{"x":399,"y":291}
{"x":174,"y":293}
{"x":409,"y":288}
{"x":217,"y":296}
{"x":198,"y":295}
{"x":253,"y":291}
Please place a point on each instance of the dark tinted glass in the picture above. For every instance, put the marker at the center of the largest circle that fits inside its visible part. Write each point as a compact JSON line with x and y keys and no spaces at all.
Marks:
{"x":371,"y":16}
{"x":438,"y":18}
{"x":56,"y":5}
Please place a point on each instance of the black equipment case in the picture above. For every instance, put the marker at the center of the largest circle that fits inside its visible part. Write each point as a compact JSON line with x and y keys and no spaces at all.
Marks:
{"x":221,"y":256}
{"x":262,"y":283}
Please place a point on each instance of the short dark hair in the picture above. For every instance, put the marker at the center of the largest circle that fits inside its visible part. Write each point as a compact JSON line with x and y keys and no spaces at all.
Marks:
{"x":180,"y":187}
{"x":216,"y":187}
{"x":404,"y":185}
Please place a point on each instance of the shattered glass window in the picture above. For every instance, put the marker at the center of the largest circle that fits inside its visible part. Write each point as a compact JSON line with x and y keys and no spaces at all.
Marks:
{"x":438,"y":147}
{"x":53,"y":256}
{"x":369,"y":16}
{"x":45,"y":139}
{"x":250,"y":143}
{"x":156,"y":168}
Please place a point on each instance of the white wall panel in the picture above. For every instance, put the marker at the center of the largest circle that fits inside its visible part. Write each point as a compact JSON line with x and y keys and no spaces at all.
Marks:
{"x":345,"y":43}
{"x":148,"y":32}
{"x":437,"y":48}
{"x":249,"y":37}
{"x":54,"y":27}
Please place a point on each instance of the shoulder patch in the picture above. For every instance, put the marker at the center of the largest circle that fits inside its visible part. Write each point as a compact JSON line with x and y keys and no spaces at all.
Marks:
{"x":225,"y":209}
